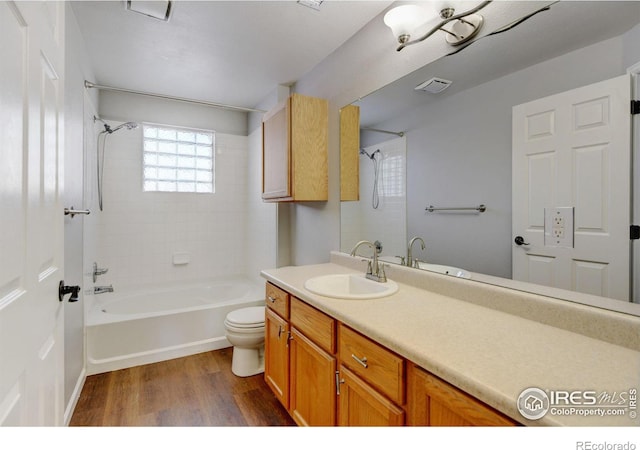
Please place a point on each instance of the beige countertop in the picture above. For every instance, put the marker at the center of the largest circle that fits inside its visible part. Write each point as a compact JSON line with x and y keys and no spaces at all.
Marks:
{"x":488,"y":353}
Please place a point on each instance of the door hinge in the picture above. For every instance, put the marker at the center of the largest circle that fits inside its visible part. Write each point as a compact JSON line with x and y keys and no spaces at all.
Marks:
{"x":634,"y":233}
{"x":635,"y":107}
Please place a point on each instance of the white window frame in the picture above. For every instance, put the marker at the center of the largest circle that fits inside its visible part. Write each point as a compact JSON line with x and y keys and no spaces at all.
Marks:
{"x":184,"y":163}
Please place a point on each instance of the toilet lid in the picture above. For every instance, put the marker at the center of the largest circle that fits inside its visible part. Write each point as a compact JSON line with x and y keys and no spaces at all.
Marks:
{"x":247,"y":317}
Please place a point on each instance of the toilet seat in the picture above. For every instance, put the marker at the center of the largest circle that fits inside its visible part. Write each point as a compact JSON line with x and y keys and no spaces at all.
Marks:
{"x":246,"y":318}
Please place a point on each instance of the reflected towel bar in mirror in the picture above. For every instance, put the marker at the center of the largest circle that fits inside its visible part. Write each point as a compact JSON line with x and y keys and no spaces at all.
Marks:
{"x":479,"y":208}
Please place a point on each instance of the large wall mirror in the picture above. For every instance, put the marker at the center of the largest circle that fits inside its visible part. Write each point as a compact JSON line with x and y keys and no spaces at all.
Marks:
{"x":453,"y":149}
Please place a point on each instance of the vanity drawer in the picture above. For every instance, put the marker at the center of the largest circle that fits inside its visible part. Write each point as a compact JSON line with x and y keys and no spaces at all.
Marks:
{"x":379,"y":366}
{"x":314,"y":324}
{"x":278,"y":300}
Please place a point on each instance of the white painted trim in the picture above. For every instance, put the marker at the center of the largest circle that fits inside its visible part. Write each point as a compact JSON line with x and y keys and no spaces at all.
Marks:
{"x":75,"y":396}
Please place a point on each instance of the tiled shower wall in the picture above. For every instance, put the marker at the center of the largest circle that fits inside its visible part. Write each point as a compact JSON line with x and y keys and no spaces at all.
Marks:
{"x":138,"y":233}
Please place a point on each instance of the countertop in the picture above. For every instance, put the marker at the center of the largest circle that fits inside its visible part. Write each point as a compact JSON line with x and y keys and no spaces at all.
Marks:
{"x":490,"y":354}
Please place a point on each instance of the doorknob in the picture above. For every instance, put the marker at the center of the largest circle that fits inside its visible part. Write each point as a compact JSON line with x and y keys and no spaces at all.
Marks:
{"x":64,"y":290}
{"x":519,"y":240}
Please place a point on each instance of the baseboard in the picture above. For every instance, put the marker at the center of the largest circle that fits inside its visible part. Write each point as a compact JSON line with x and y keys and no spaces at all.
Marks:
{"x":75,"y":396}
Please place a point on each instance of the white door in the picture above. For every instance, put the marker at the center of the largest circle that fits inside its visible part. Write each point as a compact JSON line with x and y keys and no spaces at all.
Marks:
{"x":31,"y":220}
{"x":573,"y":151}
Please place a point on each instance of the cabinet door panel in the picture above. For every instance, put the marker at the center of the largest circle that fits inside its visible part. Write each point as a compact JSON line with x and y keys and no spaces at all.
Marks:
{"x":313,"y":392}
{"x":361,"y":405}
{"x":433,"y":402}
{"x":276,"y":181}
{"x":276,"y":364}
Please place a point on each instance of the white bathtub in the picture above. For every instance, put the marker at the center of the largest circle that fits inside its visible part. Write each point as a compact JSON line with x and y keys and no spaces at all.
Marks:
{"x":141,"y":326}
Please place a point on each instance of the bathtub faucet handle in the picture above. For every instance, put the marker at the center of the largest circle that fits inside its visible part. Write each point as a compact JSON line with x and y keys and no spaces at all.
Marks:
{"x":97,"y":271}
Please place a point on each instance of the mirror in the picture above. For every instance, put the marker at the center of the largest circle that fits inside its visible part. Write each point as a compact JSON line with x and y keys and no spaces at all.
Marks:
{"x":458,"y":142}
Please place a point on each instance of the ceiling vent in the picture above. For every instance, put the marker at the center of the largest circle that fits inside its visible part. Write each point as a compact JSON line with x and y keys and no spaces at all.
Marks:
{"x":434,"y":85}
{"x":160,"y":10}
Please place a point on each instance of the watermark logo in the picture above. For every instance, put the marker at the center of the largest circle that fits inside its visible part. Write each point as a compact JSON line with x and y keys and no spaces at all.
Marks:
{"x":534,"y":403}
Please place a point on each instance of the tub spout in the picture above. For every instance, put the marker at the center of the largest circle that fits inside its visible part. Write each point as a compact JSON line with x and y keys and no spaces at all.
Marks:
{"x":102,"y":289}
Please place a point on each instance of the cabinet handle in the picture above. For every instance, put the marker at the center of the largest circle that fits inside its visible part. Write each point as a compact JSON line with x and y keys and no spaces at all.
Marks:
{"x":280,"y":330}
{"x":362,"y":362}
{"x":338,"y":382}
{"x":271,"y":299}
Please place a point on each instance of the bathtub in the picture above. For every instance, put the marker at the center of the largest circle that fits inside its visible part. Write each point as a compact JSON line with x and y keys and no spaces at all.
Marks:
{"x":141,"y":326}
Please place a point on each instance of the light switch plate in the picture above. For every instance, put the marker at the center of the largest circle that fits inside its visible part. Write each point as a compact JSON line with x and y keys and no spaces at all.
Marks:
{"x":558,"y":227}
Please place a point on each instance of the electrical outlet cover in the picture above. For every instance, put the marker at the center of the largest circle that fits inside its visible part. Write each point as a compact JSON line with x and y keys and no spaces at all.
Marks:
{"x":558,"y":226}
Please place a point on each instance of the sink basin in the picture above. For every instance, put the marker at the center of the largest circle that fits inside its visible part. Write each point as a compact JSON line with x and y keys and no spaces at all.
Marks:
{"x":350,"y":286}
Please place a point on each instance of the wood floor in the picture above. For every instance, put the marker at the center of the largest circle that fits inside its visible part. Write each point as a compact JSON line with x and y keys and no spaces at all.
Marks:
{"x":197,"y":390}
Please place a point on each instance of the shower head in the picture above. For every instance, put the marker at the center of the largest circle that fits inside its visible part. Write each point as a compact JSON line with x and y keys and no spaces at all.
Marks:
{"x":370,"y":156}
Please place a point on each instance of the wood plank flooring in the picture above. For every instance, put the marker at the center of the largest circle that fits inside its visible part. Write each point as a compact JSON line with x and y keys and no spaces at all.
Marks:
{"x":197,"y":390}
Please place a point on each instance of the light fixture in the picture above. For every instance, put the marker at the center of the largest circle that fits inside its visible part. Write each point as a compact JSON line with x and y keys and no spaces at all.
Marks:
{"x":404,"y":20}
{"x":160,"y":10}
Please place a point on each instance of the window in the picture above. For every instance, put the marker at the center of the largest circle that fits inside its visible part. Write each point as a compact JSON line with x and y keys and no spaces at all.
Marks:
{"x":178,"y":159}
{"x":393,"y":179}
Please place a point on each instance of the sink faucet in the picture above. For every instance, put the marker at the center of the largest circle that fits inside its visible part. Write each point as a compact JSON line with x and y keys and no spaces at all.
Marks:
{"x":375,"y":270}
{"x":102,"y":289}
{"x":410,"y":261}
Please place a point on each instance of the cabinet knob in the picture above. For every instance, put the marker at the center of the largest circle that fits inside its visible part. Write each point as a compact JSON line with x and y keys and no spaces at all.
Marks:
{"x":271,"y":299}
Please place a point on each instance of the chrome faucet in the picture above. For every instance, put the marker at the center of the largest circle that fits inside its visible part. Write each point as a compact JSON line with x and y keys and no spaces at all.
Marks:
{"x":102,"y":289}
{"x":375,"y":270}
{"x":410,"y":262}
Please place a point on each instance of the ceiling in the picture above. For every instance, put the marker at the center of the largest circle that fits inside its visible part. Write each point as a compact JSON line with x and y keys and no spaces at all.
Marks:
{"x":567,"y":26}
{"x":231,"y":52}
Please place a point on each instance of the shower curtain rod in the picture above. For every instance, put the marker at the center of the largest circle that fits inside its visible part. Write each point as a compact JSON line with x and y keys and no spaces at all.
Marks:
{"x":397,"y":133}
{"x":90,"y":85}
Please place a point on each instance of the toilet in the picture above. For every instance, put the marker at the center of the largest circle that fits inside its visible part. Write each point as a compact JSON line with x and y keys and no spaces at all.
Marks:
{"x":245,"y":331}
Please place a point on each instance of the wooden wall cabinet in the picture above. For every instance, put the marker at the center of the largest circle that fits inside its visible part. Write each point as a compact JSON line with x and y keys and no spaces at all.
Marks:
{"x":295,"y":150}
{"x":350,"y":153}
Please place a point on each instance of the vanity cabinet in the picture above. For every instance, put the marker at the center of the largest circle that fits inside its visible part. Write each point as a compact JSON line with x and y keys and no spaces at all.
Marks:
{"x":276,"y":362}
{"x":371,"y":381}
{"x":295,"y":150}
{"x":300,"y":365}
{"x":434,"y":402}
{"x":325,"y":373}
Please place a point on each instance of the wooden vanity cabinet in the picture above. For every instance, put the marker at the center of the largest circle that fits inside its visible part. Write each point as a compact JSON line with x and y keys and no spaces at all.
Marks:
{"x":295,"y":150}
{"x":326,"y":373}
{"x":434,"y":402}
{"x":276,"y":351}
{"x":300,"y":365}
{"x":312,"y":366}
{"x":371,"y":377}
